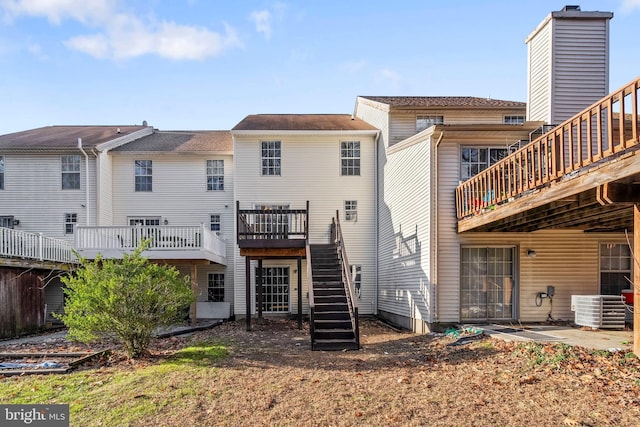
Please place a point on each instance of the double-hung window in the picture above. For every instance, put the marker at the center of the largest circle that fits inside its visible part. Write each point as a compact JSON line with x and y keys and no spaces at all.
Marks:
{"x":215,"y":175}
{"x":70,"y":219}
{"x":350,"y":157}
{"x":351,"y":210}
{"x":271,"y":157}
{"x":215,"y":223}
{"x":424,"y":122}
{"x":474,"y":160}
{"x":143,"y":175}
{"x":70,"y":167}
{"x":215,"y":288}
{"x":616,"y":267}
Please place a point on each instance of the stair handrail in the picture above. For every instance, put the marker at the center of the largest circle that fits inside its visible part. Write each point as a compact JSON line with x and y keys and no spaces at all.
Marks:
{"x":312,"y":304}
{"x":352,"y":299}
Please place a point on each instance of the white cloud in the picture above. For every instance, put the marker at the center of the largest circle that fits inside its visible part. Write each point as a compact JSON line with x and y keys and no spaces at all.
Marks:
{"x":393,"y":77}
{"x":629,"y":5}
{"x":262,"y":21}
{"x":354,"y":67}
{"x":121,"y":35}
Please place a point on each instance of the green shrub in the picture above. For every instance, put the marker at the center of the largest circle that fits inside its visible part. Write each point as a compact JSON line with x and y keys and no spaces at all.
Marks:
{"x":128,"y":298}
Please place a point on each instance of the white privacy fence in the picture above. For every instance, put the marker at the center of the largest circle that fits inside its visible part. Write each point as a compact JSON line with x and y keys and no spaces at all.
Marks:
{"x":20,"y":244}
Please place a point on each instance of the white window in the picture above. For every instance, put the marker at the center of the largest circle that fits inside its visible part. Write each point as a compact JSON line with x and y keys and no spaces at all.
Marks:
{"x":474,"y":160}
{"x":70,"y":219}
{"x":215,"y":287}
{"x":424,"y":122}
{"x":215,"y":223}
{"x":271,"y":157}
{"x":350,"y":157}
{"x":356,"y":276}
{"x":513,"y":120}
{"x":615,"y":268}
{"x":215,"y":175}
{"x":351,"y":210}
{"x":143,"y":175}
{"x":70,"y":167}
{"x":1,"y":172}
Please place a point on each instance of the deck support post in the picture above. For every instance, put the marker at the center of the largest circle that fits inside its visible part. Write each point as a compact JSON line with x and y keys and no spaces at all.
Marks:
{"x":259,"y":287}
{"x":299,"y":292}
{"x":636,"y":279}
{"x":194,"y":288}
{"x":248,"y":291}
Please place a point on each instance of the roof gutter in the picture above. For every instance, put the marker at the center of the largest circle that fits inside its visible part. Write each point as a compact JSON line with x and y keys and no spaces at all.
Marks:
{"x":86,"y":180}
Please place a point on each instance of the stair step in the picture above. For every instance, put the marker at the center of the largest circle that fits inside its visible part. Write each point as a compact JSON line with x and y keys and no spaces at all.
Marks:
{"x":332,"y":315}
{"x":334,"y":344}
{"x":334,"y":334}
{"x":328,"y":292}
{"x":330,"y":299}
{"x":332,"y":324}
{"x":332,"y":306}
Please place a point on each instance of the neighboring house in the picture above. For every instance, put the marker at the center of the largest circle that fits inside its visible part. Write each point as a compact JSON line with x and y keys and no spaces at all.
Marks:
{"x":285,"y":161}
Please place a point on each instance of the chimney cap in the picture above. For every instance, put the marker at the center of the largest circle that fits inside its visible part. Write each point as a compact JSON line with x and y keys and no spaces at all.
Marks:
{"x":570,"y":7}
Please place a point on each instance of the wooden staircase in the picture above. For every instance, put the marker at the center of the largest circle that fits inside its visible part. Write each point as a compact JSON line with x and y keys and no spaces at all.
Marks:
{"x":333,"y":326}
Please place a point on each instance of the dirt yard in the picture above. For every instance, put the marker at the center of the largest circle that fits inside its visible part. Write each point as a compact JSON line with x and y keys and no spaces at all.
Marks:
{"x":397,"y":379}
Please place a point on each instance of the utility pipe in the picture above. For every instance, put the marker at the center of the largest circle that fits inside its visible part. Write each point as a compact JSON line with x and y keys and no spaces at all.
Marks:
{"x":86,"y":179}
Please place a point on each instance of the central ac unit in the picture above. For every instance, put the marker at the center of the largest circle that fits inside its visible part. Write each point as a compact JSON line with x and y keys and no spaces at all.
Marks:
{"x":599,"y":311}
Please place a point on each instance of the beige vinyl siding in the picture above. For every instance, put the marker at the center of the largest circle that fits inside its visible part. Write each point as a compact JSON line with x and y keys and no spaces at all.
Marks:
{"x":105,"y":190}
{"x":404,"y":259}
{"x":180,"y":196}
{"x":581,"y":65}
{"x":566,"y":259}
{"x":539,"y":75}
{"x":311,"y":171}
{"x":33,"y":193}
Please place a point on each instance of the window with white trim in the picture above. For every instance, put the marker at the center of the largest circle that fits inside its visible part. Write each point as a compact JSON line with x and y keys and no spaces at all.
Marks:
{"x":474,"y":160}
{"x":143,"y":175}
{"x":616,"y":267}
{"x":271,"y":157}
{"x":350,"y":157}
{"x":424,"y":122}
{"x":513,"y":120}
{"x":356,"y":276}
{"x":275,"y":290}
{"x":215,"y":175}
{"x":350,"y":210}
{"x":1,"y":172}
{"x":70,"y":167}
{"x":215,"y":287}
{"x":70,"y":219}
{"x":215,"y":223}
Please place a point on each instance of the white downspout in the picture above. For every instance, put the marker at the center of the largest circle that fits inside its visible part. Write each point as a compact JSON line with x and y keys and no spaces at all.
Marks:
{"x":377,"y":225}
{"x":86,"y":179}
{"x":435,"y":232}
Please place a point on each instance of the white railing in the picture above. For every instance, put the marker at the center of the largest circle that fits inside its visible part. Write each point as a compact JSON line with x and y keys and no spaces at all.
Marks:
{"x":20,"y":244}
{"x":161,"y":238}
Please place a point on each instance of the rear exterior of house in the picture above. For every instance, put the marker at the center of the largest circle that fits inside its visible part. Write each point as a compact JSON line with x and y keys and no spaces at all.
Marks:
{"x":281,"y":162}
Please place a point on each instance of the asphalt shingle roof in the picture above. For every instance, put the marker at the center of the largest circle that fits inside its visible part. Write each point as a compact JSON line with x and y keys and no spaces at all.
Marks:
{"x":64,"y":137}
{"x":303,"y":122}
{"x":445,"y":101}
{"x":182,"y":141}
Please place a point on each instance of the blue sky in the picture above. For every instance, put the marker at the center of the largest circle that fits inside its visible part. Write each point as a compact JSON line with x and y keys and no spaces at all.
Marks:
{"x":205,"y":64}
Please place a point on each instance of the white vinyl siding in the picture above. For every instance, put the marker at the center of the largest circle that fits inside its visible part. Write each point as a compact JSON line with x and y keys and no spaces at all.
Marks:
{"x":312,"y":174}
{"x":423,"y":122}
{"x":38,"y":175}
{"x":404,"y":271}
{"x":1,"y":172}
{"x":540,"y":70}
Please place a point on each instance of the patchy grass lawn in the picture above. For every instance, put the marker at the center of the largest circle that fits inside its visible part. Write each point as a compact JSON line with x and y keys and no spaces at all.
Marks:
{"x":227,"y":376}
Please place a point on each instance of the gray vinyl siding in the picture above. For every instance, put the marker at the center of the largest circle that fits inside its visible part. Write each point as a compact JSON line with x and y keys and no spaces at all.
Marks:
{"x":404,"y":257}
{"x":33,"y":193}
{"x":539,"y":76}
{"x":105,"y":190}
{"x":568,"y":68}
{"x":180,"y":196}
{"x":581,"y":73}
{"x":311,"y":171}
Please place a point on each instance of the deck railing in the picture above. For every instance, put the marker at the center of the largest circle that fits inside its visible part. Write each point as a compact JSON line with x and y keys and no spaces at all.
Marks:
{"x":36,"y":246}
{"x":350,"y":289}
{"x":161,"y":237}
{"x":598,"y":133}
{"x":272,"y":223}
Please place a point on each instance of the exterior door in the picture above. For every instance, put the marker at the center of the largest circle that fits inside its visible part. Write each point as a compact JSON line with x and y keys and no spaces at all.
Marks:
{"x":275,"y":290}
{"x":146,"y":228}
{"x":487,"y":283}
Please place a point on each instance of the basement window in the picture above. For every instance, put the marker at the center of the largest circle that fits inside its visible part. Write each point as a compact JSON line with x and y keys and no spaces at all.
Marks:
{"x":615,"y":268}
{"x":215,"y":287}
